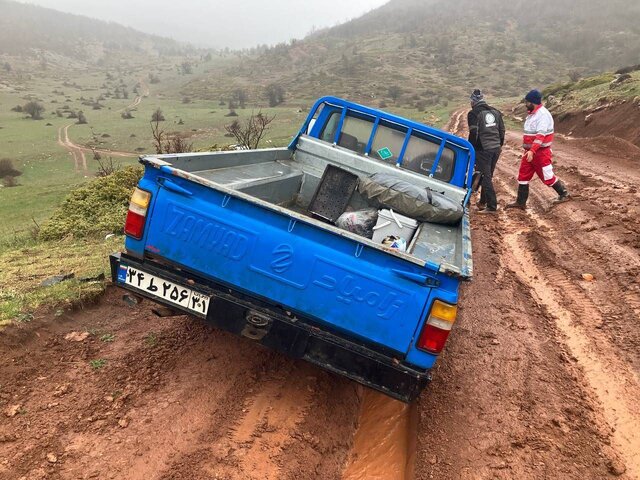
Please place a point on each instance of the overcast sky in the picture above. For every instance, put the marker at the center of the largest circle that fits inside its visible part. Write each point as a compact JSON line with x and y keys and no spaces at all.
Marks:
{"x":220,"y":23}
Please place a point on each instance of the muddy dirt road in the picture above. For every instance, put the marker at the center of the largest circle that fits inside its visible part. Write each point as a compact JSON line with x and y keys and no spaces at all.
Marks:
{"x":144,"y":397}
{"x":539,"y":379}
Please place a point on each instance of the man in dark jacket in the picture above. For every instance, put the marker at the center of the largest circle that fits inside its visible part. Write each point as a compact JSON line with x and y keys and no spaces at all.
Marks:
{"x":486,"y":134}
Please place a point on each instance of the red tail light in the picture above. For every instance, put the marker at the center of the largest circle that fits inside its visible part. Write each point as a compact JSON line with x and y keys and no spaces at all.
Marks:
{"x":433,"y":339}
{"x":436,"y":331}
{"x":136,"y":216}
{"x":134,"y":226}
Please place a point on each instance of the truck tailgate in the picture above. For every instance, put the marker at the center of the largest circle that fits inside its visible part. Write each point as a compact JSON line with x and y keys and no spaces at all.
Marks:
{"x":337,"y":281}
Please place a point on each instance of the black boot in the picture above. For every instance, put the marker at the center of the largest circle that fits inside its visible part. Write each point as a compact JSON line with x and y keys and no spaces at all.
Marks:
{"x":521,"y":201}
{"x":563,"y":194}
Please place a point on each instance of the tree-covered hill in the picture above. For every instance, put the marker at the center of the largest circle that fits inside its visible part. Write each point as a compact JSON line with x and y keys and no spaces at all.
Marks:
{"x":422,"y":52}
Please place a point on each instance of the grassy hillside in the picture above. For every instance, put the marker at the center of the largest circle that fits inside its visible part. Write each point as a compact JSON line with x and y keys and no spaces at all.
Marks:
{"x":419,"y":53}
{"x":593,"y":92}
{"x":43,"y":33}
{"x":605,"y":104}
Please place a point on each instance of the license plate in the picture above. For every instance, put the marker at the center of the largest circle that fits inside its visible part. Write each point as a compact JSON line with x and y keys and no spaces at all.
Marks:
{"x":159,"y":287}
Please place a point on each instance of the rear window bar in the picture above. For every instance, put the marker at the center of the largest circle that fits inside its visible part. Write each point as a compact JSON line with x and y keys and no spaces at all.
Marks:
{"x":345,"y":106}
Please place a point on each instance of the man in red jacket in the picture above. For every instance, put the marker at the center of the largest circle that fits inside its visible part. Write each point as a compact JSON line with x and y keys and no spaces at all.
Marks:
{"x":537,"y":141}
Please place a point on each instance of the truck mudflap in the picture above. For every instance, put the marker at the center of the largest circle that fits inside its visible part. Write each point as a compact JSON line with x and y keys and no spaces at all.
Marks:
{"x":269,"y":325}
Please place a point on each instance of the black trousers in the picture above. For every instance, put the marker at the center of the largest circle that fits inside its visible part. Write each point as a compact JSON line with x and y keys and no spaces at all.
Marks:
{"x":486,"y":161}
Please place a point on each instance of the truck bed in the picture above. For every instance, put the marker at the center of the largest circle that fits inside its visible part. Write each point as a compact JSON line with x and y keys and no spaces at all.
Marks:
{"x":287,"y":181}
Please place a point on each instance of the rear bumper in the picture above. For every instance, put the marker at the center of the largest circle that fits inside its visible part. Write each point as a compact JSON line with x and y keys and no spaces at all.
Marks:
{"x":283,"y":331}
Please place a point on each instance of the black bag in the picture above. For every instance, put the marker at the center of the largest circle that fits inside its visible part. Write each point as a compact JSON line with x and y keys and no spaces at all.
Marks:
{"x":423,"y":204}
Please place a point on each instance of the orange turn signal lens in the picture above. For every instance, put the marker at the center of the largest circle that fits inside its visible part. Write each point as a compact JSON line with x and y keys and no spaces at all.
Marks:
{"x":140,"y":198}
{"x":444,"y":311}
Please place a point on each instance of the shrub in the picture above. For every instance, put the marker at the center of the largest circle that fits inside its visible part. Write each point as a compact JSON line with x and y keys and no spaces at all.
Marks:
{"x":7,"y":169}
{"x":8,"y":173}
{"x":629,"y":69}
{"x":157,"y":116}
{"x":275,"y":94}
{"x":10,"y":181}
{"x":34,"y":109}
{"x":94,"y":209}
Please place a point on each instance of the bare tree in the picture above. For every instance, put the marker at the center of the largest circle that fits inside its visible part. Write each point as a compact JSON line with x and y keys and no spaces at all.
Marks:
{"x":168,"y":143}
{"x":177,"y":144}
{"x":251,"y":132}
{"x":34,"y":109}
{"x":105,"y":167}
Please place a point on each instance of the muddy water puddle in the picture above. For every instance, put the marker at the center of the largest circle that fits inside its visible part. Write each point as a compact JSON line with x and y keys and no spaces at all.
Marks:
{"x":384,"y":444}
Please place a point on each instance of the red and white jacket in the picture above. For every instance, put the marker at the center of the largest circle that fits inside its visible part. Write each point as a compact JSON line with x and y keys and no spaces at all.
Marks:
{"x":538,"y":129}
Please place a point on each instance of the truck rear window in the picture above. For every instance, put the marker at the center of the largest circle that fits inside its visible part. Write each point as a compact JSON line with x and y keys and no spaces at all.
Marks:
{"x":387,"y":144}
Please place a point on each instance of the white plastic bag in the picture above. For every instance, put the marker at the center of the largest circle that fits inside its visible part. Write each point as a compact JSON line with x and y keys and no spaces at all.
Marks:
{"x":360,"y":222}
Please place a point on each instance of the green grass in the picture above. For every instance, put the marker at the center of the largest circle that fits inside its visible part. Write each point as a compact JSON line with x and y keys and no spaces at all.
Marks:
{"x":107,"y":337}
{"x":98,"y":363}
{"x":151,"y":339}
{"x":22,"y":270}
{"x":592,"y":92}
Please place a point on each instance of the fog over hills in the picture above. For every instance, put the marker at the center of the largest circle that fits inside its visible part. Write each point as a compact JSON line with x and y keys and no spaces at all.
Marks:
{"x":220,"y":23}
{"x":31,"y":30}
{"x":435,"y":49}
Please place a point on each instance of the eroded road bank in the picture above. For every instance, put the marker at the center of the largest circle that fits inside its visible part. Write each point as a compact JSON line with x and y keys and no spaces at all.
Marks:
{"x":539,"y":379}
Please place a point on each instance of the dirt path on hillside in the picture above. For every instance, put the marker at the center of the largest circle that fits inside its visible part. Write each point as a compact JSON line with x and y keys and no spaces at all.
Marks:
{"x":539,"y":379}
{"x":79,"y":158}
{"x":138,"y":98}
{"x":78,"y":152}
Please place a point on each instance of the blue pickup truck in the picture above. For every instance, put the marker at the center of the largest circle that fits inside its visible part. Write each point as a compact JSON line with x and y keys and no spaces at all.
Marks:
{"x":227,"y":236}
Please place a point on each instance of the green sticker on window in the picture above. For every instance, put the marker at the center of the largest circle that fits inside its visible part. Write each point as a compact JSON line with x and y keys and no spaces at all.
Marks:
{"x":385,"y":153}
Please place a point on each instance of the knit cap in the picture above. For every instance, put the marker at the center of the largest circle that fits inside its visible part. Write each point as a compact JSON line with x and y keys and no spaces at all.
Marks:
{"x":476,"y":96}
{"x":534,"y":96}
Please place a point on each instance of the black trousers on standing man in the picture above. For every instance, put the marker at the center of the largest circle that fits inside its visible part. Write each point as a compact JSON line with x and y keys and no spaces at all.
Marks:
{"x":486,"y":161}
